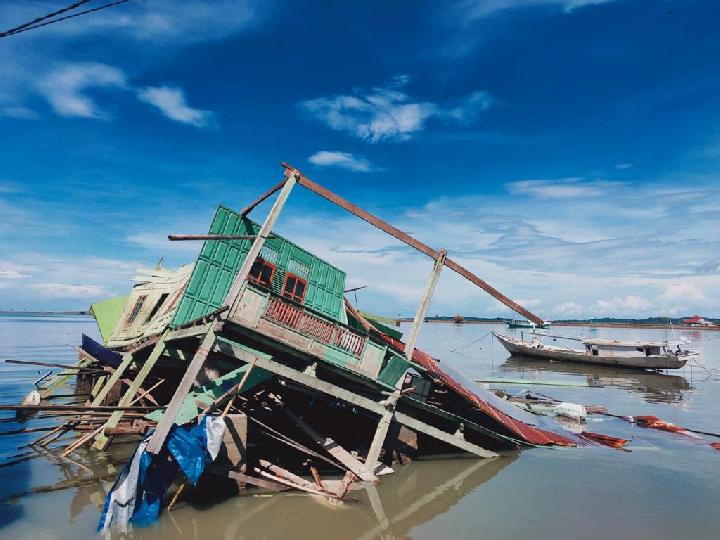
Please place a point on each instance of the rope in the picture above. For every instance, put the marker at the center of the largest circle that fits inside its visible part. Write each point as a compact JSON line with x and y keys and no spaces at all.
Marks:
{"x":273,"y":433}
{"x":470,"y":344}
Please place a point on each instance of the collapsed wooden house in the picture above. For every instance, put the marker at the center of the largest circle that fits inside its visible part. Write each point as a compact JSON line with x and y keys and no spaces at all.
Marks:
{"x":259,"y":330}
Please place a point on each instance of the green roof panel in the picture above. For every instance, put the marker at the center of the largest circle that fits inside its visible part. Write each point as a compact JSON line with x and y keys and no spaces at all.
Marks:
{"x":220,"y":260}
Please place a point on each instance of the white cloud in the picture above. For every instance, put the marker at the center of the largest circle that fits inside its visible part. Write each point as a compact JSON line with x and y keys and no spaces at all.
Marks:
{"x":180,"y":21}
{"x":19,"y":112}
{"x":561,"y":188}
{"x":9,"y":187}
{"x":568,"y":309}
{"x":159,"y":243}
{"x":63,"y":290}
{"x":623,"y":166}
{"x":388,"y":114}
{"x":132,"y":26}
{"x":65,"y":88}
{"x":683,"y":292}
{"x":10,"y":273}
{"x":475,"y":9}
{"x":621,"y":306}
{"x":607,"y":256}
{"x":171,"y":102}
{"x":343,"y":160}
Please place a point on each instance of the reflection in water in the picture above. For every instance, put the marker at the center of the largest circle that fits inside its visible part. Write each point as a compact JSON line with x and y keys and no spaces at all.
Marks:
{"x":654,"y":387}
{"x":414,"y":495}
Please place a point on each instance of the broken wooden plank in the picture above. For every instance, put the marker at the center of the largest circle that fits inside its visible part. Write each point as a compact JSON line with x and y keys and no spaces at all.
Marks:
{"x":453,"y":439}
{"x":334,"y":449}
{"x":243,"y":353}
{"x":191,"y":331}
{"x":113,"y":379}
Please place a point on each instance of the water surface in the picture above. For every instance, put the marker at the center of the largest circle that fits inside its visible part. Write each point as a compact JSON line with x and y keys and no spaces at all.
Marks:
{"x":666,"y":486}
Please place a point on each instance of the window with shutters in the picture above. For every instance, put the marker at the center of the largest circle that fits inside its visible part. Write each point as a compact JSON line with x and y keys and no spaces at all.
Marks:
{"x":294,"y":288}
{"x":262,"y":273}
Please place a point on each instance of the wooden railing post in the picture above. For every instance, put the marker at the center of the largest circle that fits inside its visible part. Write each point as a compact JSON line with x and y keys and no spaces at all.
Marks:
{"x":424,"y":304}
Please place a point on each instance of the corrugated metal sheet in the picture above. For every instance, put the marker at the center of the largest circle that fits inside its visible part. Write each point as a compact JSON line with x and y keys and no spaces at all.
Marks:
{"x":220,"y":260}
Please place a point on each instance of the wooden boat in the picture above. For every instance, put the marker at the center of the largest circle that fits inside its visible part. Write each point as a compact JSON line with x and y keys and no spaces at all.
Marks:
{"x":605,"y":352}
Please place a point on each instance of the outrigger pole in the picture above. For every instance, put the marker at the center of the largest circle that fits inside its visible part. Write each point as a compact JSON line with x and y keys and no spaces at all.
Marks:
{"x":409,"y":240}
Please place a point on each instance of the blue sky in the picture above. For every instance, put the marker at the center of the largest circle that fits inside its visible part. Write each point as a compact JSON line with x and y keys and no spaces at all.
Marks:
{"x":568,"y":151}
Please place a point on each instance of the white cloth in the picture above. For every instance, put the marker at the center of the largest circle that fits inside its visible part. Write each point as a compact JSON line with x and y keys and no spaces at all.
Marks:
{"x":215,"y":430}
{"x":122,"y":501}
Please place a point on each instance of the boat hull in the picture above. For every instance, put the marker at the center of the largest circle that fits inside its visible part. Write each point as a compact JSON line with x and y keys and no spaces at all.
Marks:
{"x":517,"y":348}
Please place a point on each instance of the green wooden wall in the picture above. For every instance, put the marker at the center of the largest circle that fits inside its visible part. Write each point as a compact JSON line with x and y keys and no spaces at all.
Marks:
{"x":220,"y":260}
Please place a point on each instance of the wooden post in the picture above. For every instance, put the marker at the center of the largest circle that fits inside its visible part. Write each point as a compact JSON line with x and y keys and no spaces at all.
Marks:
{"x":424,"y":304}
{"x":257,"y":245}
{"x":102,"y":440}
{"x":379,"y":438}
{"x":168,"y":419}
{"x":387,"y":417}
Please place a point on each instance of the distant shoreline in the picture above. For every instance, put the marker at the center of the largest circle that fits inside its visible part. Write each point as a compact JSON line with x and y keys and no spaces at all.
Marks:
{"x":41,"y":313}
{"x":594,"y":324}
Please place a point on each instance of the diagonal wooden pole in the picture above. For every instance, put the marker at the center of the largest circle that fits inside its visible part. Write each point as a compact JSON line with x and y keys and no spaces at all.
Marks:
{"x":168,"y":419}
{"x":387,"y":417}
{"x":102,"y":440}
{"x":410,"y":241}
{"x":258,"y":243}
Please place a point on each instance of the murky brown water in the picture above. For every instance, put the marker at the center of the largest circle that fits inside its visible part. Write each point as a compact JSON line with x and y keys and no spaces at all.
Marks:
{"x":667,"y":486}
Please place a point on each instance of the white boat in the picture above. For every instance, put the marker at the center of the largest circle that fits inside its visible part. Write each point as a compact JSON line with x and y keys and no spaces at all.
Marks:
{"x":605,"y":352}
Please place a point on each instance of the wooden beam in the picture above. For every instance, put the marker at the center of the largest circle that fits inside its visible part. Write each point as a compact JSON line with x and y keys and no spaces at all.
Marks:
{"x":191,"y":331}
{"x":386,"y":419}
{"x":456,"y":440}
{"x":102,"y":440}
{"x":186,"y":237}
{"x":166,"y":422}
{"x":227,"y":347}
{"x":380,"y":435}
{"x":257,"y":245}
{"x":412,"y":242}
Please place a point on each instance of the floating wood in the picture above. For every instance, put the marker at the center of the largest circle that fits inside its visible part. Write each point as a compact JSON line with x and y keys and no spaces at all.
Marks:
{"x":49,"y":364}
{"x":78,"y":408}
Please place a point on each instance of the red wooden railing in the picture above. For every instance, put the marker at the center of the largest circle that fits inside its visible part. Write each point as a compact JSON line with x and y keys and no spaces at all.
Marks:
{"x":319,"y":329}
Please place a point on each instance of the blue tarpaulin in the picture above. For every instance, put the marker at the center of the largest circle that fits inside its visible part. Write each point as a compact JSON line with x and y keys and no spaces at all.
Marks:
{"x":140,"y":490}
{"x":105,"y":355}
